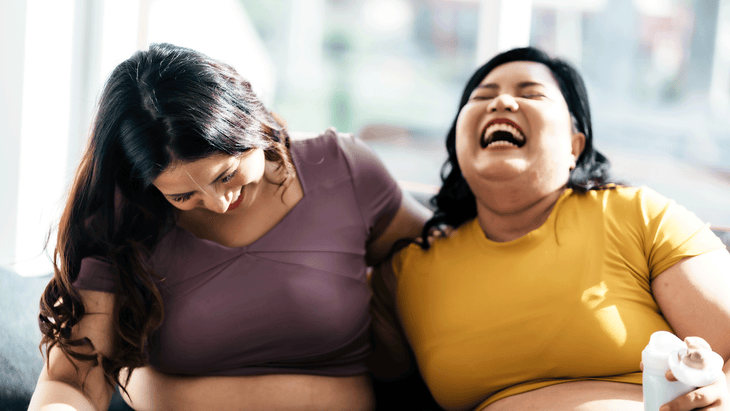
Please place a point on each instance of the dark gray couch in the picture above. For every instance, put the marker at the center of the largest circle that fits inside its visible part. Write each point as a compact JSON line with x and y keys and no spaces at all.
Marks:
{"x":20,"y":358}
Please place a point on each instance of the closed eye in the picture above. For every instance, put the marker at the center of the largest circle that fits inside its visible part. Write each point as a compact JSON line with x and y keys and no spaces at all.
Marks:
{"x":182,"y":198}
{"x":229,"y":177}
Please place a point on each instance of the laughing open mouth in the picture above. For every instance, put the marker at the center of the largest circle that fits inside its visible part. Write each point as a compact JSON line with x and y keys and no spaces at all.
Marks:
{"x":502,"y":133}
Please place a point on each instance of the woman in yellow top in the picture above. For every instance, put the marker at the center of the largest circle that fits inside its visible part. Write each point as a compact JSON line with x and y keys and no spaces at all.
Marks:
{"x":554,"y":278}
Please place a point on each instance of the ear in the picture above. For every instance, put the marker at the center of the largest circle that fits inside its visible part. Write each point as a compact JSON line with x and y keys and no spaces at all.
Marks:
{"x":578,"y":143}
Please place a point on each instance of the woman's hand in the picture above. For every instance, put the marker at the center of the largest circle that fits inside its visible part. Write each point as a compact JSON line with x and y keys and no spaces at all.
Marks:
{"x":437,"y":232}
{"x":714,"y":397}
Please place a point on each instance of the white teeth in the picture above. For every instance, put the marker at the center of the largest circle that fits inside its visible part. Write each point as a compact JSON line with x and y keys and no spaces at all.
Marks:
{"x":493,"y":128}
{"x":501,"y":143}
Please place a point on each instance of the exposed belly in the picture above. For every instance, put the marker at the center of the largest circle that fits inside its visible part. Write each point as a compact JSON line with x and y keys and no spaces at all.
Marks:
{"x":575,"y":396}
{"x":152,"y":390}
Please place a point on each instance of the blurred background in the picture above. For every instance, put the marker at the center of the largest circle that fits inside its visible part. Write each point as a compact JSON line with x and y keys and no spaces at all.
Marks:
{"x":389,"y":71}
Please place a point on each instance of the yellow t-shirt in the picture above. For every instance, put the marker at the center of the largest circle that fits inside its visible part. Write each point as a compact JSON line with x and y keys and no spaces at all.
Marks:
{"x":569,"y":301}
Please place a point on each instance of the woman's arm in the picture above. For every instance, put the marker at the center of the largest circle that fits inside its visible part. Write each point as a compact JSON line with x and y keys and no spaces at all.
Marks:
{"x":391,"y":355}
{"x":407,"y":223}
{"x":60,"y":384}
{"x":694,"y":296}
{"x":396,"y":378}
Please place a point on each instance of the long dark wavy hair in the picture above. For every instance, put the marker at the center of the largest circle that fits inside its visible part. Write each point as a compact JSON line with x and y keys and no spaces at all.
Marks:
{"x":162,"y":105}
{"x":455,"y":203}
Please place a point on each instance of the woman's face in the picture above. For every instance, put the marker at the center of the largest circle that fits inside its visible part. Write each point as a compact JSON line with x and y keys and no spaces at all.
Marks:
{"x":219,"y":183}
{"x":516,"y":129}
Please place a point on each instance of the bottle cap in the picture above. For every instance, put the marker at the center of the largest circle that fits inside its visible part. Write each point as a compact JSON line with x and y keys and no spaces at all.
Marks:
{"x":696,"y":377}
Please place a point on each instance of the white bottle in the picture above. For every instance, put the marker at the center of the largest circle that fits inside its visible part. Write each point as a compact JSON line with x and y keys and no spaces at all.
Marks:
{"x":663,"y":353}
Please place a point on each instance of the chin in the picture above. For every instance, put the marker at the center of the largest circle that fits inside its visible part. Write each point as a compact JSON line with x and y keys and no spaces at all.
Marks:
{"x":502,"y":171}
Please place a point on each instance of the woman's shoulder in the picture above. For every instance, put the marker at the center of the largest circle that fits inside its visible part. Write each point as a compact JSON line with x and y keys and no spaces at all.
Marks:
{"x":334,"y":155}
{"x":442,"y":248}
{"x":318,"y":159}
{"x":329,"y":141}
{"x":622,"y":198}
{"x":330,"y":146}
{"x":642,"y":209}
{"x":323,"y":151}
{"x":642,"y":200}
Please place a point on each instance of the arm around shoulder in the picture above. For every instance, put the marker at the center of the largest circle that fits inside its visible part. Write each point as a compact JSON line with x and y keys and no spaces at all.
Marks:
{"x":392,"y":362}
{"x":390,"y":212}
{"x":407,"y":223}
{"x":391,"y":356}
{"x":66,"y":384}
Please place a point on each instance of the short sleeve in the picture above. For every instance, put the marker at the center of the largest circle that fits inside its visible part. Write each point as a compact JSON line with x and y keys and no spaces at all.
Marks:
{"x":377,"y":193}
{"x":95,"y":275}
{"x":671,"y":232}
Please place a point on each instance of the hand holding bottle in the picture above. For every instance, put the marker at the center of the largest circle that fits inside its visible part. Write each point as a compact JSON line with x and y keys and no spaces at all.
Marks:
{"x":673,"y":371}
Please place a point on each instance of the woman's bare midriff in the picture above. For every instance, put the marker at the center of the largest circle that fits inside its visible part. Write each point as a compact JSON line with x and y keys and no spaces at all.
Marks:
{"x":151,"y":390}
{"x":575,"y":396}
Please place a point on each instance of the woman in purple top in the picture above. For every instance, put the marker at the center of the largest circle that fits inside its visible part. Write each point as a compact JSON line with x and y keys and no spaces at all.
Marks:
{"x":204,"y":261}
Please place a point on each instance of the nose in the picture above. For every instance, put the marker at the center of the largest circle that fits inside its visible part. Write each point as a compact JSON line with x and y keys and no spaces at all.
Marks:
{"x":219,"y":202}
{"x":503,"y":102}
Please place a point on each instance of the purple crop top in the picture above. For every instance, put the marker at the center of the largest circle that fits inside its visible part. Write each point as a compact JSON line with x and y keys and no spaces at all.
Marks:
{"x":294,"y":301}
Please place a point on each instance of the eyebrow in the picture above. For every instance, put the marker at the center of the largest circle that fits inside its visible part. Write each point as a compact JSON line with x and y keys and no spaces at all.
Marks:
{"x":193,"y":192}
{"x":524,"y":84}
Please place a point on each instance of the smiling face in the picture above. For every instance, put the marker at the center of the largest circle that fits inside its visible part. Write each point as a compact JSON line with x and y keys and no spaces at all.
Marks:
{"x":516,"y":129}
{"x":219,"y":183}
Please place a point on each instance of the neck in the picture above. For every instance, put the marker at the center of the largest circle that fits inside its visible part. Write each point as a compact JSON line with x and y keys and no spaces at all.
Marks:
{"x":514,"y":215}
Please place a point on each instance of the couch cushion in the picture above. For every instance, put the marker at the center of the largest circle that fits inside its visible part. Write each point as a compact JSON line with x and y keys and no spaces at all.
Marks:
{"x":724,"y":234}
{"x":20,"y":358}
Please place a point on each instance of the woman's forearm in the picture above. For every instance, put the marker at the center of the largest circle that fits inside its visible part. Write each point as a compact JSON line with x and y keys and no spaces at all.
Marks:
{"x":59,"y":396}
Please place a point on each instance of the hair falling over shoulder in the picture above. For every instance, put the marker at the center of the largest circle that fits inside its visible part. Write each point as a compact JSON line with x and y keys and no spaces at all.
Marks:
{"x":89,"y":226}
{"x":162,"y":105}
